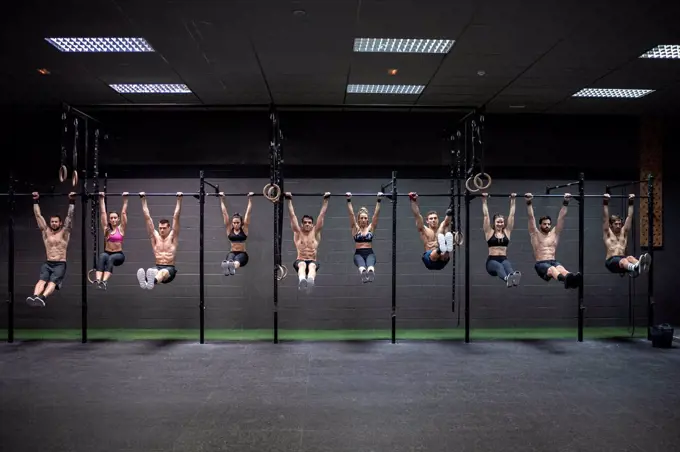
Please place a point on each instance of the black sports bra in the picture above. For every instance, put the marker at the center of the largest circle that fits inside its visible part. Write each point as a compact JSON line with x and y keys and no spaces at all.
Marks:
{"x":239,"y":237}
{"x":495,"y":241}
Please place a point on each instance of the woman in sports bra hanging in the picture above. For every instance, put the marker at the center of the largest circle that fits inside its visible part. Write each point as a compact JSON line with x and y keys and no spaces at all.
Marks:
{"x":498,"y":239}
{"x":362,"y":232}
{"x":237,"y":233}
{"x":113,"y":225}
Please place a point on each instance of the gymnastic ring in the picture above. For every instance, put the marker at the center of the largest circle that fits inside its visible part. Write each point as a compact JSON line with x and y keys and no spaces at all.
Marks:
{"x":458,"y":238}
{"x":74,"y":178}
{"x":467,"y":185}
{"x":283,"y":272}
{"x":63,"y":173}
{"x":88,"y":276}
{"x":267,"y":192}
{"x":478,"y":181}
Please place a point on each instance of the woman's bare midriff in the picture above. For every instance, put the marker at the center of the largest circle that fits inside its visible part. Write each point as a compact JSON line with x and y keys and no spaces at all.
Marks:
{"x":238,"y":247}
{"x":113,"y":247}
{"x":498,"y":251}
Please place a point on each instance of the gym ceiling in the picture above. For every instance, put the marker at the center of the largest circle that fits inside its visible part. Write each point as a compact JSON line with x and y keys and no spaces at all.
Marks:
{"x":509,"y":56}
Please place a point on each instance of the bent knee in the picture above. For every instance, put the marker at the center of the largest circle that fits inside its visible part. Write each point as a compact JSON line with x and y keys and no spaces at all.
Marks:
{"x":312,"y":266}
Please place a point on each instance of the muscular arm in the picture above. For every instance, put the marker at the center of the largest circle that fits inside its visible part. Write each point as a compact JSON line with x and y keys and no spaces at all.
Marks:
{"x":294,"y":224}
{"x":102,"y":214}
{"x":510,"y":224}
{"x":560,"y":220}
{"x":352,"y":221}
{"x":123,"y":214}
{"x":376,"y":212}
{"x":175,"y":218}
{"x":419,"y":218}
{"x":246,"y":218}
{"x":39,"y":218}
{"x":532,"y":220}
{"x":322,"y":216}
{"x":629,"y":218}
{"x":605,"y":220}
{"x":148,"y":221}
{"x":487,"y":221}
{"x":225,"y":213}
{"x":68,"y":221}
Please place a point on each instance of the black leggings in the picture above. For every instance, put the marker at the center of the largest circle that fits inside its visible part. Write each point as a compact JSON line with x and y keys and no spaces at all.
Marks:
{"x":364,"y":257}
{"x":499,"y":266}
{"x":108,"y":260}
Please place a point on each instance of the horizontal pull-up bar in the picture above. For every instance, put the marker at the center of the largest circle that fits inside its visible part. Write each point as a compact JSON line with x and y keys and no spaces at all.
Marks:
{"x":339,"y":194}
{"x":555,"y":187}
{"x":521,"y":196}
{"x":626,"y":184}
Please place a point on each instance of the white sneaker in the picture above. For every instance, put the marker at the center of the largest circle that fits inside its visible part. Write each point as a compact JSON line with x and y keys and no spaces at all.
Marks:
{"x":371,"y":275}
{"x":141,"y":277}
{"x":448,"y":238}
{"x":302,"y":285}
{"x":225,"y":268}
{"x":645,"y":262}
{"x":310,"y":283}
{"x":231,"y":267}
{"x":442,"y":243}
{"x":514,"y":278}
{"x":151,"y":277}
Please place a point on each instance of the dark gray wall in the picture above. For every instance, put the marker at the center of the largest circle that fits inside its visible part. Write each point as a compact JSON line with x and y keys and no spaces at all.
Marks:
{"x":340,"y":300}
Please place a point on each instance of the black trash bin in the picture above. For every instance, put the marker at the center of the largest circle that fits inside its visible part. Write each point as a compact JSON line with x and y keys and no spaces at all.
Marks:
{"x":662,"y":336}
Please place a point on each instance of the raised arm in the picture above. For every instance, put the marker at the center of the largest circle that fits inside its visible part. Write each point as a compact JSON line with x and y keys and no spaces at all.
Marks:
{"x":485,"y":211}
{"x":322,"y":213}
{"x":147,"y":219}
{"x":103,"y":218}
{"x":413,"y":196}
{"x":563,"y":214}
{"x":246,"y":218}
{"x":42,"y":225}
{"x":123,"y":213}
{"x":225,"y":212}
{"x":605,"y":214}
{"x":510,"y":224}
{"x":631,"y":211}
{"x":350,"y":212}
{"x":530,"y":213}
{"x":294,"y":223}
{"x":175,"y":216}
{"x":68,"y":222}
{"x":376,"y":212}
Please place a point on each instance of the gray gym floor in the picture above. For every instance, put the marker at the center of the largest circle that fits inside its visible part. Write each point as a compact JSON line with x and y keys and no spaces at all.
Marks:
{"x":355,"y":397}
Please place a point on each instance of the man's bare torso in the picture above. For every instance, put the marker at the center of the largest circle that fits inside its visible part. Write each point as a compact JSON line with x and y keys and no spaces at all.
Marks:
{"x":429,"y":238}
{"x":544,"y":245}
{"x":306,"y":244}
{"x":165,"y":249}
{"x":615,"y":244}
{"x":56,"y":244}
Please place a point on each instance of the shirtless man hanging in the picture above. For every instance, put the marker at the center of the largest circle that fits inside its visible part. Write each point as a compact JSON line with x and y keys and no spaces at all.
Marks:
{"x":306,"y":237}
{"x":164,"y":243}
{"x":437,"y":239}
{"x":615,"y":241}
{"x":55,"y":237}
{"x":544,"y":241}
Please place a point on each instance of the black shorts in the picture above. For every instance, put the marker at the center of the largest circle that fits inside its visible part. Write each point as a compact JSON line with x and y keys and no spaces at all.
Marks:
{"x":542,"y":267}
{"x":171,"y":269}
{"x":238,"y":256}
{"x":53,"y":271}
{"x":612,"y":264}
{"x":297,"y":262}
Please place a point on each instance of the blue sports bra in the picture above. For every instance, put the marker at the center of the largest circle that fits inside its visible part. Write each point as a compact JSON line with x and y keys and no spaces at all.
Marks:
{"x":360,"y":238}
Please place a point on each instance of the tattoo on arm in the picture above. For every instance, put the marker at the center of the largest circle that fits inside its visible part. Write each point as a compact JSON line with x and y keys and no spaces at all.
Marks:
{"x":68,"y":222}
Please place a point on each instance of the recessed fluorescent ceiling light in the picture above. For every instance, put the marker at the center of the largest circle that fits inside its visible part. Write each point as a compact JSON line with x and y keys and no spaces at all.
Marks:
{"x":385,"y":89}
{"x":610,"y":92}
{"x":402,"y":45}
{"x":667,"y":51}
{"x":151,"y":88}
{"x":101,"y":44}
